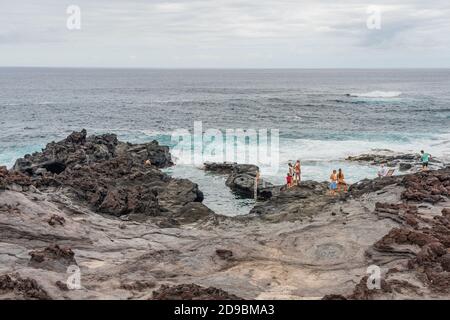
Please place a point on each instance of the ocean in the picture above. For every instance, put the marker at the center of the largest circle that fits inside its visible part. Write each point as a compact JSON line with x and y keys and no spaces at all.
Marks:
{"x":322,"y":115}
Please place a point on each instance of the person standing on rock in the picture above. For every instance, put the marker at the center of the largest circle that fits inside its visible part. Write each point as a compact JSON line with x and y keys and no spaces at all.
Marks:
{"x":298,"y":171}
{"x":288,"y":180}
{"x":341,"y":182}
{"x":291,"y":170}
{"x":425,"y":157}
{"x":333,"y":183}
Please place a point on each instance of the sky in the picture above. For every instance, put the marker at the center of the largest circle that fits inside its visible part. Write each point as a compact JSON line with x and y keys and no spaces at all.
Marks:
{"x":226,"y":34}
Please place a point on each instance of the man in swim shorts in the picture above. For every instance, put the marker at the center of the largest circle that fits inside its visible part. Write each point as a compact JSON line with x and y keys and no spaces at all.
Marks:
{"x":425,"y":157}
{"x":333,"y":183}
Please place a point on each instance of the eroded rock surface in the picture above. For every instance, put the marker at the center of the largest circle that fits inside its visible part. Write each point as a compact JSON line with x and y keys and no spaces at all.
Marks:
{"x":301,"y":243}
{"x":296,"y":203}
{"x":415,"y":253}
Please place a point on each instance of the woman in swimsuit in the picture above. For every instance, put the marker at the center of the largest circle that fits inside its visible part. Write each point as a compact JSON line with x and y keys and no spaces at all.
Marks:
{"x":298,"y":172}
{"x":341,"y":182}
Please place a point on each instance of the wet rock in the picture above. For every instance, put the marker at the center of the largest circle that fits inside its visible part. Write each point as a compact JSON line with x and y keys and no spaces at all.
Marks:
{"x":191,"y":292}
{"x":220,"y":167}
{"x":405,"y":166}
{"x":53,"y":258}
{"x":244,"y":185}
{"x":241,"y":179}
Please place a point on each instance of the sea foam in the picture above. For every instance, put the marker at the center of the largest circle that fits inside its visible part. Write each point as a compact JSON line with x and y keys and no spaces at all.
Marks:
{"x":376,"y":94}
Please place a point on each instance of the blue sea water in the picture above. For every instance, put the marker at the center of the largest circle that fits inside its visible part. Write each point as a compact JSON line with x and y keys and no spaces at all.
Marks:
{"x":322,"y":115}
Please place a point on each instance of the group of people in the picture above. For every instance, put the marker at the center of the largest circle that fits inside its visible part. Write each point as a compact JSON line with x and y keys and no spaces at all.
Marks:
{"x":293,"y":176}
{"x":337,"y":179}
{"x":337,"y":182}
{"x":425,"y":157}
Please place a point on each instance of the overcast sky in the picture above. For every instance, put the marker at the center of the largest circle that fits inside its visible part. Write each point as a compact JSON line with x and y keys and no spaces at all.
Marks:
{"x":225,"y":33}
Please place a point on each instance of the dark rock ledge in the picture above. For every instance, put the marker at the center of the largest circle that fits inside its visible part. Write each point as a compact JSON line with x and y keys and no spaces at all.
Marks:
{"x":402,"y":162}
{"x":241,"y":179}
{"x":111,"y":177}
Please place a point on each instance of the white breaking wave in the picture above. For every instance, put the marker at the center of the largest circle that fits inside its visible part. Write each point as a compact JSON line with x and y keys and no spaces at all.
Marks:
{"x":376,"y":94}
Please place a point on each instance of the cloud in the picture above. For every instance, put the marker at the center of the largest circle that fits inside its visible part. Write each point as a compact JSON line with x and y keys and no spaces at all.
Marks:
{"x":181,"y":33}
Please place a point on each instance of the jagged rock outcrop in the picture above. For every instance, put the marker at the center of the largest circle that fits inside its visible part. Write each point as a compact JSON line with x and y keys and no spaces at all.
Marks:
{"x":241,"y":179}
{"x":431,"y":186}
{"x":112,"y":177}
{"x":79,"y":149}
{"x":372,"y":185}
{"x":53,"y":258}
{"x":18,"y":287}
{"x":13,"y":180}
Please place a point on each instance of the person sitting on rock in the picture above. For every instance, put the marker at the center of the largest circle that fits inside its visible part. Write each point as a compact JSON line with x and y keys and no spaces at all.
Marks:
{"x":382,"y":172}
{"x":425,"y":157}
{"x":341,"y":182}
{"x":333,"y":183}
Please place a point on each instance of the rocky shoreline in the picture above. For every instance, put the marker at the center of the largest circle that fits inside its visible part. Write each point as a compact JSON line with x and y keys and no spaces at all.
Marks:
{"x":134,"y":232}
{"x":402,"y":162}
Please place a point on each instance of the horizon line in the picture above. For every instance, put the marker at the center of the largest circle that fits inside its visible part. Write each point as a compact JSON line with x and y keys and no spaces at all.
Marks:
{"x":226,"y":68}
